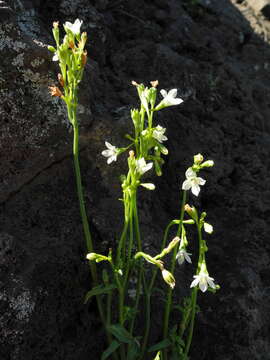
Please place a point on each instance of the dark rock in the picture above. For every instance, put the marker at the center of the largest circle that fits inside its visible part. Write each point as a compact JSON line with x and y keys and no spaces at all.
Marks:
{"x":213,"y":52}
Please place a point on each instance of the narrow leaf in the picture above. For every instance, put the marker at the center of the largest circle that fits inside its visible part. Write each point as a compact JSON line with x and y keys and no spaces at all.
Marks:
{"x":121,"y":333}
{"x":111,"y":349}
{"x":134,"y":351}
{"x":161,"y":345}
{"x":98,"y":290}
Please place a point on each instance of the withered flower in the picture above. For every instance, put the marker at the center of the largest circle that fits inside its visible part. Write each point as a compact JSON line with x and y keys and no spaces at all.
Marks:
{"x":55,"y":91}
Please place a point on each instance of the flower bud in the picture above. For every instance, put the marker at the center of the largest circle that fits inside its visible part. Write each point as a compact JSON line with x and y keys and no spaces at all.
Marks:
{"x":83,"y":40}
{"x":84,"y":58}
{"x":208,"y":163}
{"x":55,"y":91}
{"x":135,"y":115}
{"x":96,"y":257}
{"x":192,"y":212}
{"x":208,"y":228}
{"x":157,"y":168}
{"x":198,"y":159}
{"x":51,"y":49}
{"x":154,"y":83}
{"x":152,"y":96}
{"x":148,"y":186}
{"x":168,"y":278}
{"x":55,"y":31}
{"x":61,"y":80}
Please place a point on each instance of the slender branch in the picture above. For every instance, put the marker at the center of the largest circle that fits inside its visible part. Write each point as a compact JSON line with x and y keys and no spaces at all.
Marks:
{"x":85,"y":223}
{"x":169,"y":294}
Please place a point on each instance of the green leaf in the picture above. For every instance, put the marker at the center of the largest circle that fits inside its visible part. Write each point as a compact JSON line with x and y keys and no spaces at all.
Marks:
{"x":157,"y":356}
{"x":99,"y":290}
{"x":161,"y":345}
{"x":111,"y":349}
{"x":134,"y":351}
{"x":121,"y":333}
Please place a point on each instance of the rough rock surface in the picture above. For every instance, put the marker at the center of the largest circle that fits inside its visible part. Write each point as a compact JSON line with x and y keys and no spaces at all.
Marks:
{"x":216,"y":53}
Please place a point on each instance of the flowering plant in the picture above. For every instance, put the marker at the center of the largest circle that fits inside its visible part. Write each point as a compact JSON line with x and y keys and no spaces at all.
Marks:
{"x":127,"y":260}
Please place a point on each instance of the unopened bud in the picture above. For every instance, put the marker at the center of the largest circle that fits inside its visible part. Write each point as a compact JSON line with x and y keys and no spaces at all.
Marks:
{"x":52,"y":49}
{"x":55,"y":91}
{"x":208,"y":163}
{"x":134,"y":83}
{"x":131,"y":154}
{"x":154,"y":83}
{"x":96,"y":257}
{"x":61,"y":80}
{"x":198,"y":159}
{"x":191,"y":212}
{"x":71,"y":44}
{"x":83,"y":40}
{"x":168,"y":278}
{"x":84,"y":58}
{"x":55,"y":24}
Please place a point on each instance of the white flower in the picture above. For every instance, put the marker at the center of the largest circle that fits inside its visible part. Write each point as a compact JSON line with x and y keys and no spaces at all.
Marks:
{"x":158,"y":134}
{"x":182,"y":255}
{"x":169,"y":98}
{"x":111,"y":153}
{"x":148,"y":186}
{"x":55,"y":57}
{"x":142,"y":167}
{"x":74,"y":28}
{"x":203,"y":280}
{"x":208,"y":228}
{"x":193,"y":182}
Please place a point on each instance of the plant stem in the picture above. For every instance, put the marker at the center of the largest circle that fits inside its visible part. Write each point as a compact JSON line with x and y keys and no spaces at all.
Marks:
{"x":169,"y":295}
{"x":191,"y":328}
{"x":149,"y":290}
{"x":85,"y":223}
{"x":194,"y":293}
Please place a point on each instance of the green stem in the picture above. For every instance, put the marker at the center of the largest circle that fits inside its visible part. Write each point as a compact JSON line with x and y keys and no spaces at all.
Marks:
{"x":139,"y":247}
{"x":149,"y":290}
{"x":191,"y":328}
{"x":194,"y":293}
{"x":122,"y":242}
{"x":169,"y":294}
{"x":85,"y":223}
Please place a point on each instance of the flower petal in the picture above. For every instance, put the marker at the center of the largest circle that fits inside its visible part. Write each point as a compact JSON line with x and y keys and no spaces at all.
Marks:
{"x":195,"y":282}
{"x":201,"y":181}
{"x":211,"y":283}
{"x":176,"y":101}
{"x":172,"y":93}
{"x":190,"y":173}
{"x":195,"y":189}
{"x":163,"y":93}
{"x":109,"y":146}
{"x":186,"y":185}
{"x":203,"y":285}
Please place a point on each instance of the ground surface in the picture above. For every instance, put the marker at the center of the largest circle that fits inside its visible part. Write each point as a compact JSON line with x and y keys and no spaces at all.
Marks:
{"x":217,"y":55}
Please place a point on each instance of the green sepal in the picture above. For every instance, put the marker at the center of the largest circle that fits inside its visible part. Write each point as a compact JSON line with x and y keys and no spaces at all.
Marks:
{"x":110,"y":350}
{"x":99,"y":290}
